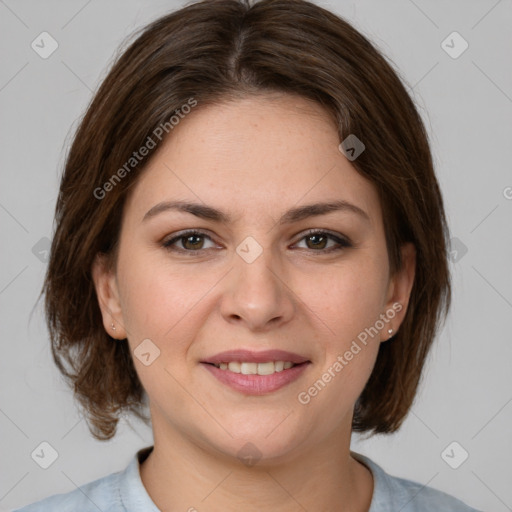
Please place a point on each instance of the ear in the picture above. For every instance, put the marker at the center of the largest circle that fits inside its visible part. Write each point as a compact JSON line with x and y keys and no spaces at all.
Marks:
{"x":107,"y":292}
{"x":399,"y":291}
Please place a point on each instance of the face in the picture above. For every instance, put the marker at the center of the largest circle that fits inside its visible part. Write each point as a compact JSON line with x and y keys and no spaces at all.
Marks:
{"x":267,"y":276}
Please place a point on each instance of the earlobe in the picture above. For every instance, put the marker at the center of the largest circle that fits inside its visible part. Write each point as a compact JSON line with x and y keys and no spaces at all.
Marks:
{"x":108,"y":297}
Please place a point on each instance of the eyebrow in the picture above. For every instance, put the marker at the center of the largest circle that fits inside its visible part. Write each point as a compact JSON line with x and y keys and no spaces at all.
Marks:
{"x":293,"y":215}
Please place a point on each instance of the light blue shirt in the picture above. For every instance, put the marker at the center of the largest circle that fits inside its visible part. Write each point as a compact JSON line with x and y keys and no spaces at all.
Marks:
{"x":124,"y":492}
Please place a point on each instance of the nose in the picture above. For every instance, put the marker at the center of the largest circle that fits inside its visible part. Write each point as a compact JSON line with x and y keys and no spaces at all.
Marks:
{"x":257,"y":294}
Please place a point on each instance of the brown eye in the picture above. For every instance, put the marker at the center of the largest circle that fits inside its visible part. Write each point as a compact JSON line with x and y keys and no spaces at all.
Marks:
{"x":318,"y":240}
{"x":190,"y":241}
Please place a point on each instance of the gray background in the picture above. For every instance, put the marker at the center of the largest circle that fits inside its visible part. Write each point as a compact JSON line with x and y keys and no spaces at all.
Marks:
{"x":466,"y":103}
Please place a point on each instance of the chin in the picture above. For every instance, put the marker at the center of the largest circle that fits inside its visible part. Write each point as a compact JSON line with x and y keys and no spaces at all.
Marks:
{"x":255,"y":447}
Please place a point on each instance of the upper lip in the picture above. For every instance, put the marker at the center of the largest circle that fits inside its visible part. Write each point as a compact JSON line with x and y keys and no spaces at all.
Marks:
{"x":251,"y":356}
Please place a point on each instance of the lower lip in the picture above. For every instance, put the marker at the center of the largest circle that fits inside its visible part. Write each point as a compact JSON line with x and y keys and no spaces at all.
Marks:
{"x":257,"y":384}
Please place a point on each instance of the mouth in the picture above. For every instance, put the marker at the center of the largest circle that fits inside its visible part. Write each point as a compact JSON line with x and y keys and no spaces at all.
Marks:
{"x":256,"y":373}
{"x":249,"y":368}
{"x":253,"y":356}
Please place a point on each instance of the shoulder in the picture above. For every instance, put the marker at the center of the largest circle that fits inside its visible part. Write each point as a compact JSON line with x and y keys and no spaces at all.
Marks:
{"x":117,"y":492}
{"x":101,"y":494}
{"x":393,"y":493}
{"x":416,"y":497}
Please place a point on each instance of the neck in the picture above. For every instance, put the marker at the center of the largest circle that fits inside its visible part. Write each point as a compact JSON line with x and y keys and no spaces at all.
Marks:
{"x":181,"y":475}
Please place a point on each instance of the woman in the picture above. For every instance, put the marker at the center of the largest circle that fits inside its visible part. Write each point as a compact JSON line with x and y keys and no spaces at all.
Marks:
{"x":250,"y":239}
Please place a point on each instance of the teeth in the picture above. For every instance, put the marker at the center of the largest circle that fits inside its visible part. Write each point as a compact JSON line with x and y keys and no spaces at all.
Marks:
{"x":233,"y":367}
{"x":266,"y":368}
{"x":256,"y":368}
{"x":249,"y":368}
{"x":279,"y":366}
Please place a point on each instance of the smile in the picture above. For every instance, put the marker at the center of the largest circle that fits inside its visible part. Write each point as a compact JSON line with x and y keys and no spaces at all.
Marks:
{"x":248,"y":368}
{"x":256,"y":378}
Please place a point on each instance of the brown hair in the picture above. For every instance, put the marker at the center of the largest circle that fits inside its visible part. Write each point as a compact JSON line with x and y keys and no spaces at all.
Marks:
{"x":213,"y":51}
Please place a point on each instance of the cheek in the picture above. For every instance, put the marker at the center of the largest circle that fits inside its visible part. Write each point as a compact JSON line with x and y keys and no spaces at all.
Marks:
{"x":349,"y":307}
{"x":347,"y":302}
{"x":157,"y":299}
{"x":347,"y":298}
{"x":161,"y":304}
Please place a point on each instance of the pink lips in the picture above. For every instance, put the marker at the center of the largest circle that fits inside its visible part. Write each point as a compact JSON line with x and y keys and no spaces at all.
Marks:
{"x":256,"y":384}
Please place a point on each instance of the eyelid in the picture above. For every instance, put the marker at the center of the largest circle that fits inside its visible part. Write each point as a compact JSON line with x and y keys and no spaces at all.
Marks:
{"x":342,"y":241}
{"x":182,"y":234}
{"x":313,"y":231}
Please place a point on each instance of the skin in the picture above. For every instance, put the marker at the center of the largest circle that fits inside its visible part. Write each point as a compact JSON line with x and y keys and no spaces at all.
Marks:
{"x":254,"y":158}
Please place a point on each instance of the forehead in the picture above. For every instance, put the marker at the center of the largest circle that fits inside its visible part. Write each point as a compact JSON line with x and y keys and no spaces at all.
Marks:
{"x":268,"y":153}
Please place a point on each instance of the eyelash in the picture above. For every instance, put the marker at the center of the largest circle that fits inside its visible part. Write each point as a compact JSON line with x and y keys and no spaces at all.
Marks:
{"x":343,"y":243}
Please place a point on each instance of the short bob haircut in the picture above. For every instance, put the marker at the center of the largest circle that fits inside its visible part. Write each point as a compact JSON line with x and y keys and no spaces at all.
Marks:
{"x":211,"y":52}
